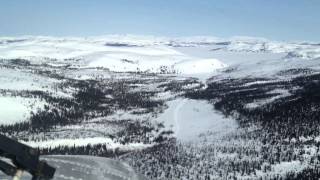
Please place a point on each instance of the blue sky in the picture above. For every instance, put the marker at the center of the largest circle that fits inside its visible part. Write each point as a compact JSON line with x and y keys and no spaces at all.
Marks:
{"x":273,"y":19}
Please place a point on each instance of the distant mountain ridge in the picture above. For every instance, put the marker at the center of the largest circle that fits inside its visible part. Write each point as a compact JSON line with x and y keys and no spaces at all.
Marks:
{"x":304,"y":50}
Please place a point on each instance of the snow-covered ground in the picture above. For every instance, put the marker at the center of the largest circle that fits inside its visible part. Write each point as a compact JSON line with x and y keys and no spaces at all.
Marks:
{"x":191,"y":118}
{"x":15,"y":79}
{"x":18,"y":109}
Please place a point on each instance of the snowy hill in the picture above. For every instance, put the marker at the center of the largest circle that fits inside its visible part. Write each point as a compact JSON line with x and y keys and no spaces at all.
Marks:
{"x":293,"y":50}
{"x":116,"y":53}
{"x":130,"y":53}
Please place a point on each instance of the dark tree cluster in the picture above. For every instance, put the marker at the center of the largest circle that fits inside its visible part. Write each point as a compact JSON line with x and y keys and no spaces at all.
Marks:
{"x":93,"y":150}
{"x":220,"y":160}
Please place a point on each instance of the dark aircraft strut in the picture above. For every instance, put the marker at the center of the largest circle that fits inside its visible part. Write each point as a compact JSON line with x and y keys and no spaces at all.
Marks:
{"x":23,"y":158}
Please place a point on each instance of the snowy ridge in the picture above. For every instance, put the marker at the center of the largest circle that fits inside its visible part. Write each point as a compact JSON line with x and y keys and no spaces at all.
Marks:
{"x":293,"y":50}
{"x":130,"y":53}
{"x":116,"y":53}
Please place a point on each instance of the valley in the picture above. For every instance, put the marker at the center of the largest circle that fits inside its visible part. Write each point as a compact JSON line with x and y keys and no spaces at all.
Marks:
{"x":201,"y":108}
